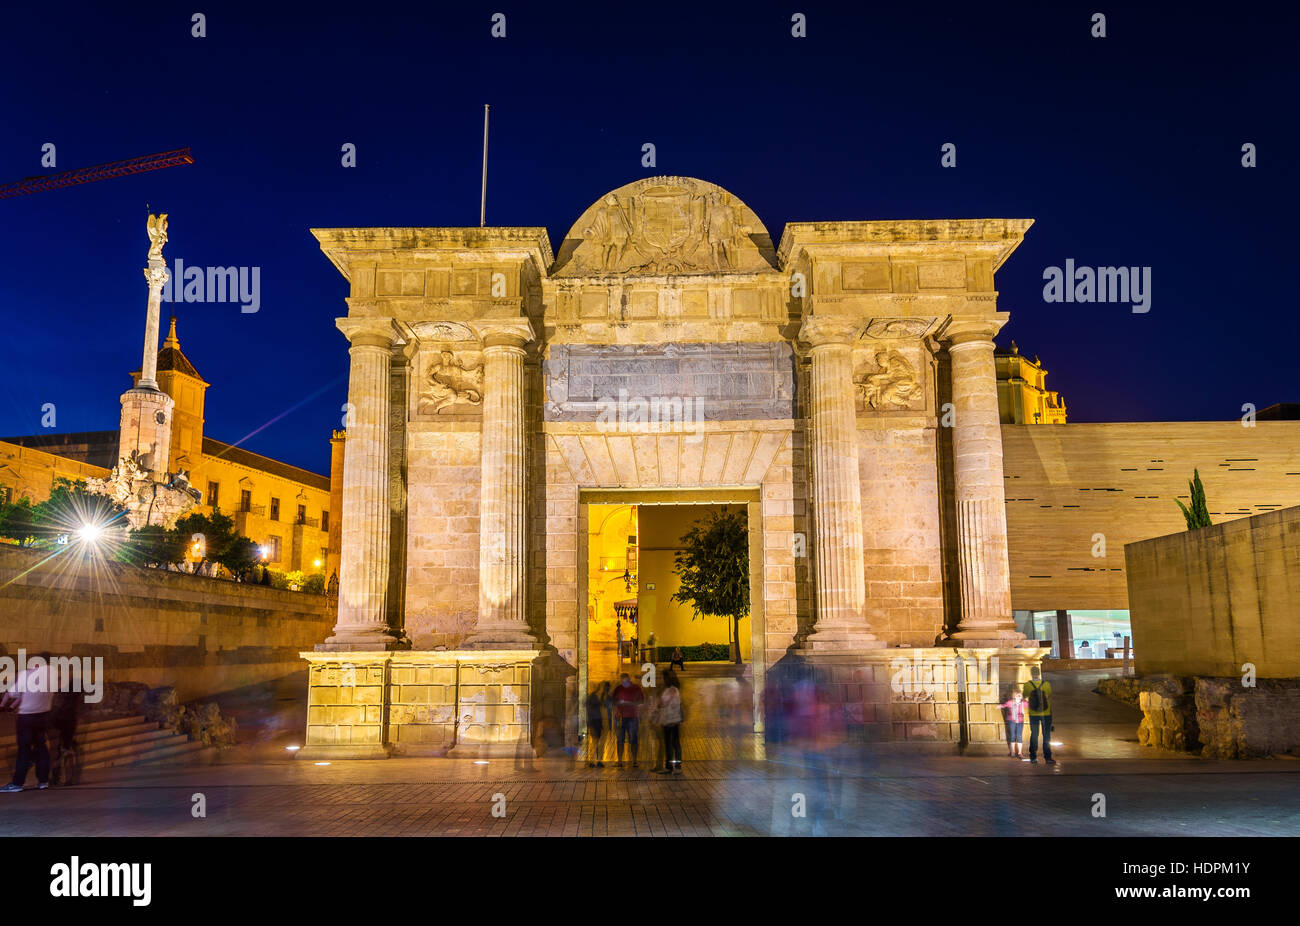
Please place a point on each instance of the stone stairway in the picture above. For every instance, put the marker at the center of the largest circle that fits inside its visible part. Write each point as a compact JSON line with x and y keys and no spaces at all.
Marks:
{"x":120,"y":741}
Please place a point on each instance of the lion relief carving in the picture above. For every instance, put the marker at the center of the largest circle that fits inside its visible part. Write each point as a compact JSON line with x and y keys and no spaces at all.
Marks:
{"x":451,"y":380}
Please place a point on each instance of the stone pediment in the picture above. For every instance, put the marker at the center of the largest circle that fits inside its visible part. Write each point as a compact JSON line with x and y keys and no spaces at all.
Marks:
{"x":665,"y":226}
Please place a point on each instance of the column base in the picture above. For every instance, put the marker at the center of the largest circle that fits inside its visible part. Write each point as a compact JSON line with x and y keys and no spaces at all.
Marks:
{"x":365,"y":641}
{"x":985,"y":637}
{"x":839,"y":640}
{"x":493,"y":638}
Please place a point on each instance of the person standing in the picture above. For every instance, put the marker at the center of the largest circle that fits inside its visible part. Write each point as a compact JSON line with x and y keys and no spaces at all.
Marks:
{"x":1039,"y":695}
{"x":596,"y":725}
{"x":33,"y":697}
{"x":628,"y":698}
{"x":1015,"y":708}
{"x":670,"y":719}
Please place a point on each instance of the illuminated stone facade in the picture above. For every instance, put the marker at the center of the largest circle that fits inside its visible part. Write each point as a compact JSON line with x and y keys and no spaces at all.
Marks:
{"x":841,"y":388}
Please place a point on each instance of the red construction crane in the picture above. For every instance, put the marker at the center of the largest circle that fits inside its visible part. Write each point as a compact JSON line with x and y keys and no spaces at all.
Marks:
{"x":99,"y":172}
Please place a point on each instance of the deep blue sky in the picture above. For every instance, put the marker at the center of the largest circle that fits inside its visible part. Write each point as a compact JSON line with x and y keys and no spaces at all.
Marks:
{"x":1125,"y":150}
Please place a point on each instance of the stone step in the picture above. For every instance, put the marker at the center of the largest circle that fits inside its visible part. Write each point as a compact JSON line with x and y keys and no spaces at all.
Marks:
{"x":96,"y":737}
{"x":179,"y":748}
{"x":128,"y":747}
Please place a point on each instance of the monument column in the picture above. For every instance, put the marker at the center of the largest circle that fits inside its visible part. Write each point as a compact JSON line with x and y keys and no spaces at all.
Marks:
{"x":986,"y":618}
{"x":840,"y":623}
{"x":363,"y":567}
{"x":503,"y":502}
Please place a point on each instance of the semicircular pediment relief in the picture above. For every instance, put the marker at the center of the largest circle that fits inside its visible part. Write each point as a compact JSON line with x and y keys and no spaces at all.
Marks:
{"x":665,"y":225}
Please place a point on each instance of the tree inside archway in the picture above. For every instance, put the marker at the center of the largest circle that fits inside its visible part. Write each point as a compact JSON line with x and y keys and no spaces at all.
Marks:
{"x":713,"y":567}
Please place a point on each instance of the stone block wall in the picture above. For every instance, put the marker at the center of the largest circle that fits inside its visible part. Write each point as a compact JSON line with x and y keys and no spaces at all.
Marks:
{"x":201,"y":636}
{"x":371,"y":705}
{"x":1220,"y":717}
{"x":442,"y":533}
{"x":902,"y":552}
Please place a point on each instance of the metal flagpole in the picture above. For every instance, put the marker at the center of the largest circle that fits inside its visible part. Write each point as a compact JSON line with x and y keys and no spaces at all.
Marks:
{"x":482,"y":204}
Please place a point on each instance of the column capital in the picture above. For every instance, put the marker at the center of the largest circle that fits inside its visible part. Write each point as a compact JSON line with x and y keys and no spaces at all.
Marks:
{"x":510,"y":331}
{"x":821,"y":330}
{"x":968,"y":330}
{"x":368,"y":332}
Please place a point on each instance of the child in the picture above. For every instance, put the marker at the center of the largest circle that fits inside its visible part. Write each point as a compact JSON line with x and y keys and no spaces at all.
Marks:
{"x":1015,"y":709}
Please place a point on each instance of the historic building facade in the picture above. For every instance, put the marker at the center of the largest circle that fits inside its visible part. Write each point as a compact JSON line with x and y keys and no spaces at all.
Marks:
{"x":161,"y":464}
{"x":841,"y":388}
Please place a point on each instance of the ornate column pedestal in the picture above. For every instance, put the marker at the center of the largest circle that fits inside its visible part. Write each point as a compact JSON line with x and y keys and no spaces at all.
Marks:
{"x":363,"y":568}
{"x":840,"y":624}
{"x":503,"y":504}
{"x":986,"y":619}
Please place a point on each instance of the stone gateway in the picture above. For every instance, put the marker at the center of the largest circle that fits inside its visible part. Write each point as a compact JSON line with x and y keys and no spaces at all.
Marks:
{"x":668,"y":354}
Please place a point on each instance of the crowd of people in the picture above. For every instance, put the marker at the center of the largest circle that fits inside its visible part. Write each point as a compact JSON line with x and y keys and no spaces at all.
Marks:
{"x":623,"y":710}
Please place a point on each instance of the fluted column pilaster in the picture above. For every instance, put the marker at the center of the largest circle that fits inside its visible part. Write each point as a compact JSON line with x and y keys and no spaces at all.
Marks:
{"x":840,"y":623}
{"x":983,"y":565}
{"x":503,"y":503}
{"x":364,"y":555}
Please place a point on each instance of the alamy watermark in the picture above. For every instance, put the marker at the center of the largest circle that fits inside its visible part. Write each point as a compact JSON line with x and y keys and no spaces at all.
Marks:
{"x":66,"y":673}
{"x":215,"y":284}
{"x":635,"y":414}
{"x":1100,"y":284}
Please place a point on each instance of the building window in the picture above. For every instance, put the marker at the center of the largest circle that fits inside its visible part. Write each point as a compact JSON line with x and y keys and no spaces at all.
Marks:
{"x":302,"y":514}
{"x":275,"y":509}
{"x":214,"y":495}
{"x":245,"y":500}
{"x":7,"y":495}
{"x":324,"y":520}
{"x":274,"y":544}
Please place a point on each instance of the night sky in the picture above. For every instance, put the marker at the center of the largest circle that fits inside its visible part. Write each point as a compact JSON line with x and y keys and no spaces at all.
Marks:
{"x":1125,"y":150}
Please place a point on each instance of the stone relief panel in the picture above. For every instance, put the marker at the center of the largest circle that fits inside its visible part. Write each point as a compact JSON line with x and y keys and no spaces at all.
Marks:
{"x":662,"y":226}
{"x":892,"y":378}
{"x":448,"y":381}
{"x":722,"y":382}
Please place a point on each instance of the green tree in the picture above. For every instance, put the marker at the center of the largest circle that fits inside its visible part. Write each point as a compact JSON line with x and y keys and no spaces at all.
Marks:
{"x":713,"y":566}
{"x":212,"y":537}
{"x":1198,"y":515}
{"x":18,"y":521}
{"x":72,"y":508}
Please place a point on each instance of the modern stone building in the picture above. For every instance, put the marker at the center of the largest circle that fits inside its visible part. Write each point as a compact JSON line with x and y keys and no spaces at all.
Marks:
{"x":840,"y":388}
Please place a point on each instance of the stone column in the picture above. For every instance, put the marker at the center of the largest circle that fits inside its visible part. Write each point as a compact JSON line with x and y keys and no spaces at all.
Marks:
{"x":156,"y":275}
{"x":363,"y":567}
{"x":503,"y":502}
{"x":839,"y":623}
{"x":986,"y":618}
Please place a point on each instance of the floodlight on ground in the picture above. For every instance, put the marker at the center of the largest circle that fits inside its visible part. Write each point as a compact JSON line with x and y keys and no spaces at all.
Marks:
{"x":480,"y":761}
{"x":1055,"y":743}
{"x":293,"y":748}
{"x":322,"y":763}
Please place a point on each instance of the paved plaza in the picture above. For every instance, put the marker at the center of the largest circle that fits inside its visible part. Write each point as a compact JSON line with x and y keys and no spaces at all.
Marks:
{"x":731,"y":786}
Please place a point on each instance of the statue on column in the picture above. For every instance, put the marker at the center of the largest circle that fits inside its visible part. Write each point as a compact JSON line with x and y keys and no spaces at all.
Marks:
{"x":157,"y":228}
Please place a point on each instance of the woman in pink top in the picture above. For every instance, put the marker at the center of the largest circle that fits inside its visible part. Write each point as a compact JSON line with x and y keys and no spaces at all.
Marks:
{"x":1015,"y":709}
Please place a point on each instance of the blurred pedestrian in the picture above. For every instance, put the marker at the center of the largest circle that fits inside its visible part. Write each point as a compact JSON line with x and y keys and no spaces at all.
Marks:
{"x":32,"y":696}
{"x":670,"y":719}
{"x":628,"y":698}
{"x":596,"y":725}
